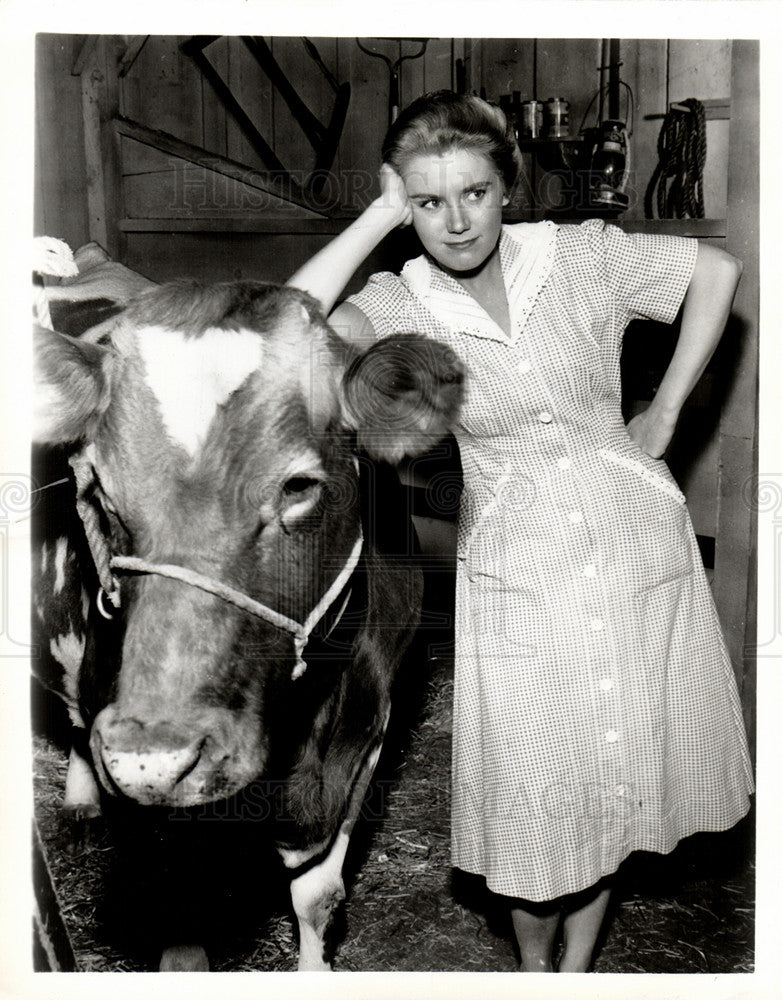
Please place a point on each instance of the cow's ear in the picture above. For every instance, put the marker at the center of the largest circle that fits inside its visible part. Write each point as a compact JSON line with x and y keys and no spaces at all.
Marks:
{"x":402,"y":395}
{"x":70,"y":386}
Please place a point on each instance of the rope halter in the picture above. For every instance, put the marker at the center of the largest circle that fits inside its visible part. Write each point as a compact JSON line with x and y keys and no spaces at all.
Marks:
{"x":109,"y":584}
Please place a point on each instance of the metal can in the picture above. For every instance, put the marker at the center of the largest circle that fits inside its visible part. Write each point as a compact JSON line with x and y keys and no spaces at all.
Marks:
{"x":557,"y":118}
{"x":531,"y":119}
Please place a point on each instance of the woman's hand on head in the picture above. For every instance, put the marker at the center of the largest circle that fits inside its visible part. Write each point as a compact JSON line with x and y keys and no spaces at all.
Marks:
{"x":652,"y":431}
{"x":326,"y":274}
{"x":393,"y":195}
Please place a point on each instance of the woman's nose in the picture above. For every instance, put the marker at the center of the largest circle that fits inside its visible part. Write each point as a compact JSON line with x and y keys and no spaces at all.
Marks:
{"x":457,"y":220}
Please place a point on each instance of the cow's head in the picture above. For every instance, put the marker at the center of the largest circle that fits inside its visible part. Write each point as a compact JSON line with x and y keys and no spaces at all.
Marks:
{"x":218,"y":427}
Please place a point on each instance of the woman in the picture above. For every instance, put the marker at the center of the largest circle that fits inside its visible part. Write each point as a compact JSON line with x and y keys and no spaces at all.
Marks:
{"x":595,"y":710}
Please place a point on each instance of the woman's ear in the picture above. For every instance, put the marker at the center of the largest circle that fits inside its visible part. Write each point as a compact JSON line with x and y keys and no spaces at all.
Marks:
{"x":402,"y":395}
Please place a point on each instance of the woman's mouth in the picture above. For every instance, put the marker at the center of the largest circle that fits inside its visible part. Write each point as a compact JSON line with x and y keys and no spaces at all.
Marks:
{"x":462,"y":244}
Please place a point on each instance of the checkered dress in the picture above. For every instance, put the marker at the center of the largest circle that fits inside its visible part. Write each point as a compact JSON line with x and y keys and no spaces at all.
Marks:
{"x":595,"y":709}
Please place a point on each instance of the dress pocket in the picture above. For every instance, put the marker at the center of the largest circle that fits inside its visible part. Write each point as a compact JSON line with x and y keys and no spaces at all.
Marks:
{"x":646,"y":514}
{"x":495,"y":536}
{"x":648,"y":475}
{"x":477,"y":508}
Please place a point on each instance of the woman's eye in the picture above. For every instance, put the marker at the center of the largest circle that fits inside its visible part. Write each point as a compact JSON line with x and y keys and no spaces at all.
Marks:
{"x":430,"y":204}
{"x":476,"y":194}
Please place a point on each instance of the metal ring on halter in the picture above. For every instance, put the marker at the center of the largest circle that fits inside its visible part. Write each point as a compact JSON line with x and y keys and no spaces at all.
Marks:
{"x":101,"y":606}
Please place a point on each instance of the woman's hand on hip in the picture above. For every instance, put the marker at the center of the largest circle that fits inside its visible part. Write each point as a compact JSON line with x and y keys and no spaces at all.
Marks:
{"x":652,"y":431}
{"x":393,"y":196}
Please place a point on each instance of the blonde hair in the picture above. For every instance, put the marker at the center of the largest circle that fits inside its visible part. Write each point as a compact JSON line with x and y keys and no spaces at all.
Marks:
{"x":443,"y":120}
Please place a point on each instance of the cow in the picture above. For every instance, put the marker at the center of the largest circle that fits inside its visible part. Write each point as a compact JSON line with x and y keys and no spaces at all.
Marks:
{"x":243,"y":606}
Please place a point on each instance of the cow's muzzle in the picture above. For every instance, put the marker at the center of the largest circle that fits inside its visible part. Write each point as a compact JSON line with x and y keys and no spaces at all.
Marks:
{"x":168,"y":763}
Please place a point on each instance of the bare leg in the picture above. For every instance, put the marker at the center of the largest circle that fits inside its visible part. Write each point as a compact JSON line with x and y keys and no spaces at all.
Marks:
{"x":580,"y":929}
{"x":535,"y":927}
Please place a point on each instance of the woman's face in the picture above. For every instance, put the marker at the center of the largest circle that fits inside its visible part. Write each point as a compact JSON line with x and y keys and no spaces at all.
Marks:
{"x":457,"y":200}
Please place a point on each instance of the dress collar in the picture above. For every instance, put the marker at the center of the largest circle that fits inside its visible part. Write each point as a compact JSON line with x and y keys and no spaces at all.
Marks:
{"x":526,"y":259}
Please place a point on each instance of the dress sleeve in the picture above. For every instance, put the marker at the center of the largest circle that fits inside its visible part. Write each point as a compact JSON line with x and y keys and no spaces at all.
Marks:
{"x":385,"y":301}
{"x":649,"y":274}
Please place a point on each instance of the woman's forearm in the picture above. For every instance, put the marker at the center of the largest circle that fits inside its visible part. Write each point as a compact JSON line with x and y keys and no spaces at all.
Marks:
{"x":705,"y":312}
{"x":325,"y":275}
{"x":704,"y":315}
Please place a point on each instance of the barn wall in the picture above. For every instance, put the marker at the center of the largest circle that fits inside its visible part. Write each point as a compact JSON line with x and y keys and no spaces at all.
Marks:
{"x":164,"y":85}
{"x":656,"y":71}
{"x":60,"y":176}
{"x":163,"y":89}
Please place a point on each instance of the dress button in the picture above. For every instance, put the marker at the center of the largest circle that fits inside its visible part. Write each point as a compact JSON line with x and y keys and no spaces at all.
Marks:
{"x":545,"y":417}
{"x":564,"y":463}
{"x":612,"y":736}
{"x":597,"y":624}
{"x":575,"y":517}
{"x":524,"y":366}
{"x":590,"y":570}
{"x":606,"y":683}
{"x":620,"y":790}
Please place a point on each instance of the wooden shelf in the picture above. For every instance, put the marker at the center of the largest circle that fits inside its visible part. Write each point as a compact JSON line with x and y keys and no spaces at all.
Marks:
{"x":716,"y":109}
{"x":701,"y":228}
{"x":545,"y":140}
{"x":237,"y":224}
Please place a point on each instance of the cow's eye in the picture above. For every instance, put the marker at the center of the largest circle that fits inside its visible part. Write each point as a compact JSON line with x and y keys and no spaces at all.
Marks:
{"x":298,"y":485}
{"x":300,"y":504}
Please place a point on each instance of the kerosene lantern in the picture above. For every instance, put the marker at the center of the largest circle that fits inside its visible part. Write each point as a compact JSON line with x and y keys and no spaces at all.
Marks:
{"x":609,"y":168}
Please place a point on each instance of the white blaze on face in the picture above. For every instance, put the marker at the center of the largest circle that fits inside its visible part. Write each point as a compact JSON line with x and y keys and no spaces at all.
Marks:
{"x":192,"y":376}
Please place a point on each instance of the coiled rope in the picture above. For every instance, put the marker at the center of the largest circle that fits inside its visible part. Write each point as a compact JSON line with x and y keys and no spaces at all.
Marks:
{"x":678,"y":176}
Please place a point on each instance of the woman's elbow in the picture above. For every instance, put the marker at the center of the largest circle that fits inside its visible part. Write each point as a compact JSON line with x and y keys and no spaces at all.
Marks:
{"x":733,"y":265}
{"x":716,"y":265}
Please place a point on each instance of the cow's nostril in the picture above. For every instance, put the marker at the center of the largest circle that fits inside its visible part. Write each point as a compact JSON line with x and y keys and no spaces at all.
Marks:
{"x":153,"y":764}
{"x":196,"y":759}
{"x":194,"y":763}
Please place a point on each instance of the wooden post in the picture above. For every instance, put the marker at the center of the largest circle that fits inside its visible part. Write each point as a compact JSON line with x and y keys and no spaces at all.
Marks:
{"x":52,"y":946}
{"x":613,"y":78}
{"x":100,"y":104}
{"x":735,"y":555}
